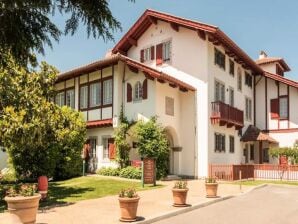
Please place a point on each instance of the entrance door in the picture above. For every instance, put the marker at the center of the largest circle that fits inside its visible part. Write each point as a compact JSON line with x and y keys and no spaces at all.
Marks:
{"x":92,"y":166}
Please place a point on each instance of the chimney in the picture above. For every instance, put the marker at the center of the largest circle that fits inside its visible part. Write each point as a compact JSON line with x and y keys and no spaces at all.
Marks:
{"x":262,"y":55}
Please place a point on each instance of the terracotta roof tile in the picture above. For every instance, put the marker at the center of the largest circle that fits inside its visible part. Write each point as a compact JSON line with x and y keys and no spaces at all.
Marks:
{"x":99,"y":123}
{"x":269,"y":60}
{"x":253,"y":133}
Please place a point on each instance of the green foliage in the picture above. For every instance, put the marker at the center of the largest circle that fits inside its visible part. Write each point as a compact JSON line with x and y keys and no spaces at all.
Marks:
{"x":128,"y":193}
{"x":290,"y":152}
{"x":180,"y":184}
{"x":152,"y":143}
{"x":40,"y":137}
{"x":131,"y":172}
{"x":108,"y":171}
{"x":27,"y":26}
{"x":8,"y":177}
{"x":210,"y":180}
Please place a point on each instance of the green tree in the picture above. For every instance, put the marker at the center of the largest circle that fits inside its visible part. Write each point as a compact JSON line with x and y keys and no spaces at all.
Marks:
{"x":290,"y":152}
{"x":27,"y":26}
{"x":152,"y":143}
{"x":36,"y":133}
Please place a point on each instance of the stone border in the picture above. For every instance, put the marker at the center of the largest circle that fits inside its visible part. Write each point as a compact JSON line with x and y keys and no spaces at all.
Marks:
{"x":195,"y":206}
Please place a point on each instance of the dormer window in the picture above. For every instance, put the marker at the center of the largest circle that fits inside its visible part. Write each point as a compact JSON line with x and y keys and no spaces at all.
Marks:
{"x":138,"y":91}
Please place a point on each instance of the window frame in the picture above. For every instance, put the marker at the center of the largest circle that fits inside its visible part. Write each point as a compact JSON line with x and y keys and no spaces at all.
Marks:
{"x":219,"y":59}
{"x":64,"y":99}
{"x":248,"y":109}
{"x":248,"y":79}
{"x":138,"y":96}
{"x":287,"y":108}
{"x":231,"y":149}
{"x":74,"y":96}
{"x":222,"y":91}
{"x":239,"y":78}
{"x":231,"y":67}
{"x":164,"y":44}
{"x":221,"y":143}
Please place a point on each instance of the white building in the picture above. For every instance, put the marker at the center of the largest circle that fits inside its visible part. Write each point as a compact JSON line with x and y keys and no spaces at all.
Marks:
{"x":204,"y":89}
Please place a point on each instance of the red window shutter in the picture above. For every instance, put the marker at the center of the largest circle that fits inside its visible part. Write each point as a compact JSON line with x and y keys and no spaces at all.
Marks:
{"x":128,"y":92}
{"x":152,"y":53}
{"x":159,"y":54}
{"x":112,"y":151}
{"x":274,"y":104}
{"x":145,"y":89}
{"x":142,"y":56}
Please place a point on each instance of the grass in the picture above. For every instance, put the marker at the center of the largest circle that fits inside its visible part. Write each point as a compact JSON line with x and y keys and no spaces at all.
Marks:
{"x":259,"y":182}
{"x":84,"y":188}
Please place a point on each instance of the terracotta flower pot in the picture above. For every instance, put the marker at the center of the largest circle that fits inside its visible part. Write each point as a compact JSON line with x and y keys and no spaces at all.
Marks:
{"x":43,"y":186}
{"x":211,"y":190}
{"x":179,"y":196}
{"x":24,"y":207}
{"x":128,"y":207}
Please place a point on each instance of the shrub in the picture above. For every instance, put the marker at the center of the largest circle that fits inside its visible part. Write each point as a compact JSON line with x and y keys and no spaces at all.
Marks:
{"x":108,"y":171}
{"x":8,"y":176}
{"x":131,"y":173}
{"x":128,"y":193}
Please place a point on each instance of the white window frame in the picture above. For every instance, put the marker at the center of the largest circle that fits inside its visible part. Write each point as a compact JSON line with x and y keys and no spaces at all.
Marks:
{"x":147,"y":54}
{"x":60,"y":98}
{"x":107,"y":92}
{"x":167,"y":51}
{"x":95,"y":94}
{"x":83,"y":97}
{"x":283,"y":107}
{"x":138,"y":91}
{"x":219,"y":94}
{"x":70,"y":98}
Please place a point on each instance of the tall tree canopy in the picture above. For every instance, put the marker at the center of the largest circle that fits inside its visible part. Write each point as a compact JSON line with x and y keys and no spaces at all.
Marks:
{"x":27,"y":26}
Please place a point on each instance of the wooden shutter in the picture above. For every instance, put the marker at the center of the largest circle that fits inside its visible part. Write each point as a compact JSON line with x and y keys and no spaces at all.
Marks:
{"x":112,"y":151}
{"x":159,"y":54}
{"x":142,"y":56}
{"x":128,"y":92}
{"x":145,"y":89}
{"x":152,"y":53}
{"x":274,"y":106}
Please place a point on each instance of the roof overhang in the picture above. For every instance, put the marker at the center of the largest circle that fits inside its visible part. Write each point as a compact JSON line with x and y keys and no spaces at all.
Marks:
{"x":270,"y":60}
{"x":253,"y":133}
{"x":99,"y":123}
{"x":134,"y":66}
{"x":281,"y":79}
{"x":205,"y":31}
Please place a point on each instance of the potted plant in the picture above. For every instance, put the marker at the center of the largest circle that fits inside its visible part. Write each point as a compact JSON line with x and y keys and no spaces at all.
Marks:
{"x":211,"y":187}
{"x":23,"y":201}
{"x":128,"y":200}
{"x":180,"y":193}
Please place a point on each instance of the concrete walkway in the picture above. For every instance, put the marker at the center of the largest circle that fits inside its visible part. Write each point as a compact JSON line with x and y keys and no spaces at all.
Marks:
{"x":153,"y":203}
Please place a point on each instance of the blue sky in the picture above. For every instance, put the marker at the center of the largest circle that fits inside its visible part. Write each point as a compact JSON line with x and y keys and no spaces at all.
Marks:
{"x":270,"y":25}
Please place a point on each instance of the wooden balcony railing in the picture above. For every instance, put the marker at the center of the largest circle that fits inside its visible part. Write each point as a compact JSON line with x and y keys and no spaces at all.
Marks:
{"x":224,"y":114}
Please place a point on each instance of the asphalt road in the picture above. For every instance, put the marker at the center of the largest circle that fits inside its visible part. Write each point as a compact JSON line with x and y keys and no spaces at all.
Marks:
{"x":268,"y":205}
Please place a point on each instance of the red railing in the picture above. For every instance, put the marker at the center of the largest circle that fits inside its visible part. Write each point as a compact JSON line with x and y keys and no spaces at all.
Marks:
{"x":230,"y":172}
{"x":226,"y":115}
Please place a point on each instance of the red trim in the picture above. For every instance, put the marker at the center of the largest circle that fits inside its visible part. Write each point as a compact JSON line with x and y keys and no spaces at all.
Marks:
{"x":278,"y":125}
{"x":285,"y":130}
{"x":288,"y":90}
{"x":266,"y":104}
{"x":100,"y":123}
{"x":281,"y":79}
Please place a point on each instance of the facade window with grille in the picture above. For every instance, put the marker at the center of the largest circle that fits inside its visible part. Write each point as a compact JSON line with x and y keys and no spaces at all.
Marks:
{"x":138,"y":91}
{"x":239,"y":79}
{"x":219,"y":91}
{"x":219,"y":142}
{"x":248,"y":80}
{"x":70,"y":98}
{"x":232,"y":144}
{"x":107,"y":92}
{"x":60,"y":99}
{"x":248,"y":109}
{"x":232,"y":67}
{"x":219,"y":59}
{"x":84,"y":97}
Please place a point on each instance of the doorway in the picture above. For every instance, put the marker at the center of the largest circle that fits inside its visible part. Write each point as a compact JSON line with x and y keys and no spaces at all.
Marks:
{"x":174,"y":153}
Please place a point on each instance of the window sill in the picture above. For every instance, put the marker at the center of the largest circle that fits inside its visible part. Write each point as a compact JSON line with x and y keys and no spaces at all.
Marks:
{"x":137,"y":100}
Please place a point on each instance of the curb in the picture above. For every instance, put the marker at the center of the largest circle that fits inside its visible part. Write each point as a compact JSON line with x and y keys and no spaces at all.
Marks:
{"x":196,"y":206}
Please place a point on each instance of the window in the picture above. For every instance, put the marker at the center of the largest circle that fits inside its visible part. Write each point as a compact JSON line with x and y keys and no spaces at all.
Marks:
{"x":105,"y":145}
{"x":283,"y":107}
{"x":232,"y":66}
{"x":252,"y":152}
{"x":232,"y":144}
{"x":95,"y":94}
{"x":248,"y":109}
{"x":248,"y":80}
{"x":169,"y":106}
{"x":219,"y":59}
{"x":147,"y":54}
{"x":107,"y":92}
{"x":239,"y":80}
{"x":60,"y":99}
{"x":70,"y":98}
{"x":266,"y":155}
{"x":231,"y":96}
{"x":84,"y":97}
{"x":166,"y":51}
{"x":220,"y":142}
{"x":138,"y":91}
{"x":219,"y":91}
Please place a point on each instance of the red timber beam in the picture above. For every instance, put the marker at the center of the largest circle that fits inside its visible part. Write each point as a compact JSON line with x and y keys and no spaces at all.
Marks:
{"x":132,"y":41}
{"x":201,"y":34}
{"x":175,"y":26}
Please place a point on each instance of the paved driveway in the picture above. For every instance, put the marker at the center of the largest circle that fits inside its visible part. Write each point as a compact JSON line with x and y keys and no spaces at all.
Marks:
{"x":268,"y":205}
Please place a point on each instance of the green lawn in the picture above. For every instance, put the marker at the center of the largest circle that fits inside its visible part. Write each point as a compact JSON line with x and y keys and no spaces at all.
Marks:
{"x":259,"y":182}
{"x":83,"y":188}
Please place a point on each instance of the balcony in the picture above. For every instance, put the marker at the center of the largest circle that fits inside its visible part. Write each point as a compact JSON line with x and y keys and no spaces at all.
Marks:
{"x":224,"y":114}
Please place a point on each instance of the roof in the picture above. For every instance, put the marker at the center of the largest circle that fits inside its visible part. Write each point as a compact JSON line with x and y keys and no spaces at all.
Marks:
{"x":100,"y":123}
{"x":213,"y":32}
{"x":269,"y":60}
{"x":148,"y":71}
{"x":253,"y":133}
{"x":281,"y":79}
